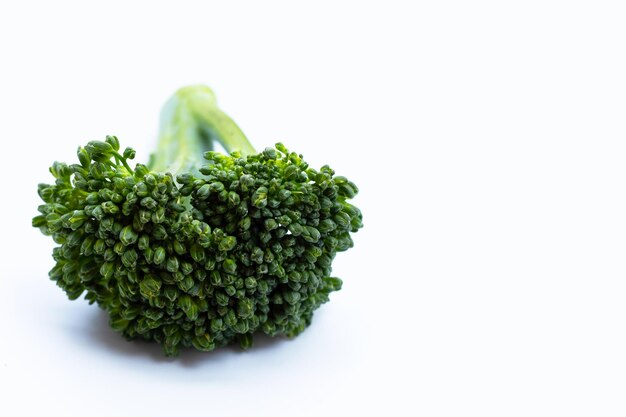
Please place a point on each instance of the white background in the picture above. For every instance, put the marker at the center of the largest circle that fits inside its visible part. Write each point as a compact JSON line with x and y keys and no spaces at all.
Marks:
{"x":488,"y":141}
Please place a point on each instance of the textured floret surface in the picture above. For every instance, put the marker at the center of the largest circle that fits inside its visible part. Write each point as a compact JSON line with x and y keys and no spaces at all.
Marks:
{"x":243,"y":245}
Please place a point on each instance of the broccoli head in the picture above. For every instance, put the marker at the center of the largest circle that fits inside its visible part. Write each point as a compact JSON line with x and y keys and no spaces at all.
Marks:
{"x":198,"y":248}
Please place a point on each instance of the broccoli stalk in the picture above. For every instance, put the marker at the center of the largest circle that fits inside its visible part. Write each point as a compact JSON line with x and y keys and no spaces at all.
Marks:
{"x":190,"y":123}
{"x":237,"y":244}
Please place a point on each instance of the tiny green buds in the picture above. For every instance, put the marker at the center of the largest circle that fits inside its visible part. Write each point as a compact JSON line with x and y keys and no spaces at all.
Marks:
{"x":230,"y":266}
{"x":159,"y":255}
{"x":128,"y":236}
{"x":259,"y":198}
{"x":83,"y":157}
{"x":227,"y":243}
{"x":114,"y":142}
{"x":129,"y":153}
{"x":197,"y":249}
{"x":149,"y":287}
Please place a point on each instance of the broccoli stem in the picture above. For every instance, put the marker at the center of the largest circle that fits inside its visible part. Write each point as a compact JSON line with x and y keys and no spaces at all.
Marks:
{"x":190,"y":123}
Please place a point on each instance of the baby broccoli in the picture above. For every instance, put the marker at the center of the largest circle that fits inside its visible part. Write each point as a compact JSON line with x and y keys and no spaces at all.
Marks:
{"x":197,"y":248}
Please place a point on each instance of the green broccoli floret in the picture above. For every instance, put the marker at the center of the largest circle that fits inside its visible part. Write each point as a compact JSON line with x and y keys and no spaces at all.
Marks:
{"x":198,"y":248}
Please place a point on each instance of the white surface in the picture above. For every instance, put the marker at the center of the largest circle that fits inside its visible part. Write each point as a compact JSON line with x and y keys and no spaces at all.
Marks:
{"x":489,"y":279}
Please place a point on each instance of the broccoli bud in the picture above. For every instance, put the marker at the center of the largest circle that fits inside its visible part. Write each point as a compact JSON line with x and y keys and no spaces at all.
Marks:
{"x":198,"y":249}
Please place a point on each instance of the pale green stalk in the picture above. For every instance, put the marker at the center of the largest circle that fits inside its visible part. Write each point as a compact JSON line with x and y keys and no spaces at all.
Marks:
{"x":190,"y":123}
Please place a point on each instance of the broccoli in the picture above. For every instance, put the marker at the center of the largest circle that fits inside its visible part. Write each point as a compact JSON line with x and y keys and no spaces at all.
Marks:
{"x":197,"y":248}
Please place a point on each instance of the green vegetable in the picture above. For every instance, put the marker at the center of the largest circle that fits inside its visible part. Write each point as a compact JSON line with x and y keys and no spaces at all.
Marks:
{"x":198,"y":248}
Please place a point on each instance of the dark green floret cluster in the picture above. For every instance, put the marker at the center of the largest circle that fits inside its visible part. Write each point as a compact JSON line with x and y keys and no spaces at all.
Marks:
{"x":233,"y":246}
